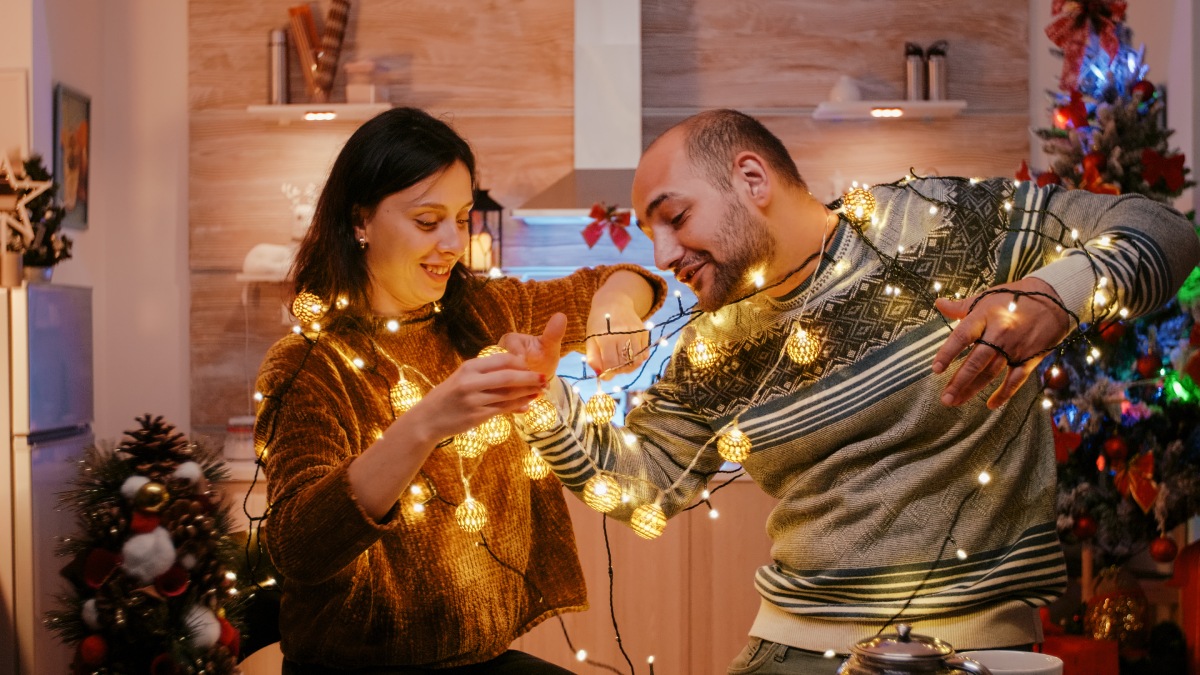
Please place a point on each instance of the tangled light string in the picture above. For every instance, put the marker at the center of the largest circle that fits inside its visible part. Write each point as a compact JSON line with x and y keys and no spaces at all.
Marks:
{"x":603,"y":492}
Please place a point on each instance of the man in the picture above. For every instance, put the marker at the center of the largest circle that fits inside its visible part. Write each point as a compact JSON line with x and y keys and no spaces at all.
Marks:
{"x":903,"y":496}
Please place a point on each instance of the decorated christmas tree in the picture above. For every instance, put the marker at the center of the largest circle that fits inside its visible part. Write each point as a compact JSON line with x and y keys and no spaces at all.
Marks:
{"x":1125,"y":399}
{"x":150,"y":567}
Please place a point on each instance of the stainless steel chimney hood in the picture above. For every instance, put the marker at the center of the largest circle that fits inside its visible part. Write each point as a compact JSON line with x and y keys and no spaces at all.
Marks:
{"x":608,"y":113}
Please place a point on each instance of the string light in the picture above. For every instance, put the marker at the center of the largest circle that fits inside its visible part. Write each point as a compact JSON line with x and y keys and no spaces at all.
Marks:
{"x":858,"y":205}
{"x":803,"y":347}
{"x":648,"y":521}
{"x":933,"y":210}
{"x":404,"y":395}
{"x":602,"y":493}
{"x":471,"y":515}
{"x":581,"y":655}
{"x":495,"y":430}
{"x":469,"y":444}
{"x":713,"y":514}
{"x":1012,"y":306}
{"x":984,"y":477}
{"x":541,"y":416}
{"x":962,"y":555}
{"x":601,"y":407}
{"x":307,"y":307}
{"x":342,"y":302}
{"x":829,"y":653}
{"x":535,"y":467}
{"x":701,"y":354}
{"x":358,"y":363}
{"x":733,"y":445}
{"x":258,"y":396}
{"x":393,"y":325}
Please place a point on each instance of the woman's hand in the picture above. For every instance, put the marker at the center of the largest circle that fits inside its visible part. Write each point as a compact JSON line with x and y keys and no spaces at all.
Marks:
{"x":477,"y":390}
{"x":1025,"y":334}
{"x":539,"y":353}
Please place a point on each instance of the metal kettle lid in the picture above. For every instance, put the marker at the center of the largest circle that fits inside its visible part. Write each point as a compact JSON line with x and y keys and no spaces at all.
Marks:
{"x":903,"y":645}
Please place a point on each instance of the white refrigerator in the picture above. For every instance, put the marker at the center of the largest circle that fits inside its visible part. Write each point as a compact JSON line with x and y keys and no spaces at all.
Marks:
{"x":48,"y":369}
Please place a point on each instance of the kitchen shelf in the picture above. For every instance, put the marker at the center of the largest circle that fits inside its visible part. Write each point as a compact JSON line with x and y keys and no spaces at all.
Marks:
{"x":286,"y":113}
{"x":884,"y":110}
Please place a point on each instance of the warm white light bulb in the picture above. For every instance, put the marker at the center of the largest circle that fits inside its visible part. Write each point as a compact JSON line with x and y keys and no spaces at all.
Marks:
{"x":962,"y":555}
{"x":1047,"y":403}
{"x":358,"y":363}
{"x":1012,"y":306}
{"x":933,"y":210}
{"x":393,"y":325}
{"x":258,"y":396}
{"x":937,"y":286}
{"x":829,"y":653}
{"x":1074,"y":234}
{"x":984,"y":477}
{"x":705,"y":494}
{"x":713,"y":514}
{"x":649,"y":325}
{"x":581,"y":655}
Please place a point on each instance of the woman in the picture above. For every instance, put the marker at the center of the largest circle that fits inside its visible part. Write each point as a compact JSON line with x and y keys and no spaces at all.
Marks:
{"x":366,"y":488}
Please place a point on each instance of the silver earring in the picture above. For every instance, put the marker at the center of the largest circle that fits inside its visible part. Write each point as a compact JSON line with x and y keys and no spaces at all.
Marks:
{"x":362,"y":243}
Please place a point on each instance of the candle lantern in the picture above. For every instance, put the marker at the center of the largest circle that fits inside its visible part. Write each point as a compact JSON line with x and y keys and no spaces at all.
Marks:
{"x":486,"y":251}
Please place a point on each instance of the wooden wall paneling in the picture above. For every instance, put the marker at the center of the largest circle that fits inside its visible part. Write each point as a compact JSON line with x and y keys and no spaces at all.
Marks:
{"x":789,"y":53}
{"x":651,"y":586}
{"x":724,"y":554}
{"x":831,"y":154}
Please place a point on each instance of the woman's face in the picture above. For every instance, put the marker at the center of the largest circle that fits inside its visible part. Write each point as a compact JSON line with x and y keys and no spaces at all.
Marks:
{"x":414,"y":237}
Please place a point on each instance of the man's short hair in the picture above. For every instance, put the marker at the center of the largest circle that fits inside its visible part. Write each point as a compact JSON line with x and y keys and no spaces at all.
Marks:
{"x":714,"y":137}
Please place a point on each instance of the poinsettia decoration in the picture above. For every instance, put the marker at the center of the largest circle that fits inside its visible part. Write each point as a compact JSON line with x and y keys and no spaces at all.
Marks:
{"x":611,"y":219}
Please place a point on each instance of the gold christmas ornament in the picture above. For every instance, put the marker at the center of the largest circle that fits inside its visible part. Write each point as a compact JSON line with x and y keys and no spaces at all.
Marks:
{"x":648,"y":521}
{"x":494,"y":349}
{"x":701,"y":354}
{"x":541,"y":416}
{"x":802,"y":346}
{"x":601,"y":407}
{"x":471,"y":515}
{"x":470,"y":444}
{"x":307,"y":307}
{"x":151,"y":497}
{"x":733,"y":445}
{"x":495,"y":430}
{"x":602,"y":493}
{"x":535,"y":467}
{"x":858,"y":205}
{"x":1118,"y":610}
{"x":404,"y":395}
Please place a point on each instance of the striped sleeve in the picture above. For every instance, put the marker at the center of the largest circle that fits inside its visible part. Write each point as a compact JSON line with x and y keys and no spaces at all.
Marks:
{"x":662,"y":442}
{"x":1137,"y":252}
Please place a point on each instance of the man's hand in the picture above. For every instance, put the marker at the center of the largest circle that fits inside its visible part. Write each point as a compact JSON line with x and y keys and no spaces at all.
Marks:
{"x":541,"y":352}
{"x":621,"y":341}
{"x":1037,"y":325}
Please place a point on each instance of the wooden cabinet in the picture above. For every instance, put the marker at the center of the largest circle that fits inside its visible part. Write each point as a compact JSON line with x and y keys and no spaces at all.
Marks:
{"x":686,"y":598}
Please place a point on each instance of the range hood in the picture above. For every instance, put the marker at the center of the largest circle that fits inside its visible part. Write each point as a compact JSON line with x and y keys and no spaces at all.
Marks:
{"x":608,"y":113}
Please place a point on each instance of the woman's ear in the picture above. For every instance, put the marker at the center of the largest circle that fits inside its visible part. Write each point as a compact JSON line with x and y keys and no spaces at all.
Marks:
{"x":751,"y":171}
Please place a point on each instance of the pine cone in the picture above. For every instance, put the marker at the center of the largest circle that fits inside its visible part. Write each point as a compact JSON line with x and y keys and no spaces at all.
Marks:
{"x":156,"y":448}
{"x":188,"y":519}
{"x":108,"y":524}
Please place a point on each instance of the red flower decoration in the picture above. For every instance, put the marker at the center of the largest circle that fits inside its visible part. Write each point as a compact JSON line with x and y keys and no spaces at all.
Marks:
{"x":1136,"y":479}
{"x":1023,"y":172}
{"x":1094,"y":182}
{"x":607,"y":218}
{"x":1071,"y":32}
{"x":99,"y":565}
{"x":1169,"y":169}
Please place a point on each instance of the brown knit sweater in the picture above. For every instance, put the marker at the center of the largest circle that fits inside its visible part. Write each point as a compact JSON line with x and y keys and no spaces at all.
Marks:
{"x":414,"y":589}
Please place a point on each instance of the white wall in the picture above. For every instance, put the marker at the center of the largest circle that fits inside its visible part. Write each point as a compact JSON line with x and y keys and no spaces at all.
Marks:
{"x":1170,"y":30}
{"x":130,"y":56}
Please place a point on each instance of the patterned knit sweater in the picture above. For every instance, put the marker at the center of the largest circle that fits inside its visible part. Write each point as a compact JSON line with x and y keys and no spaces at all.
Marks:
{"x":876,"y":481}
{"x":414,"y":589}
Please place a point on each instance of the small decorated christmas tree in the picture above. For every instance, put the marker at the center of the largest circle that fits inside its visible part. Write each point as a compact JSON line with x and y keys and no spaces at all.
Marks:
{"x":1125,"y":400}
{"x":150,"y":568}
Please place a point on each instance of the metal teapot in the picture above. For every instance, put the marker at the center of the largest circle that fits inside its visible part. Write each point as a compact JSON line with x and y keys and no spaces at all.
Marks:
{"x":903,"y":652}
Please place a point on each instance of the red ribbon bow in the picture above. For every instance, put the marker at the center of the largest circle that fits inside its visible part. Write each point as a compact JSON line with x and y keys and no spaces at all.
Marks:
{"x":1070,"y":32}
{"x":607,"y":218}
{"x":1170,"y":169}
{"x":1094,"y":182}
{"x":1065,"y":443}
{"x":1136,"y":479}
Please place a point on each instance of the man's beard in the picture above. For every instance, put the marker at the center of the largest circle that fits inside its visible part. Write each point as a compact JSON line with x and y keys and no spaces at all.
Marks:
{"x":745,"y":243}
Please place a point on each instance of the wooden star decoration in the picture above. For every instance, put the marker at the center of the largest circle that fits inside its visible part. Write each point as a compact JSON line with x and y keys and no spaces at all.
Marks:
{"x":31,"y":188}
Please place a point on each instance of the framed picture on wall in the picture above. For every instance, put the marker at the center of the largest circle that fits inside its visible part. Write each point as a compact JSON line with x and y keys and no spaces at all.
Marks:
{"x":72,"y":120}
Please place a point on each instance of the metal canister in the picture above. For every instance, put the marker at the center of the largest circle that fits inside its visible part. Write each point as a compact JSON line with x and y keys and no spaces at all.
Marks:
{"x":936,"y":60}
{"x":914,"y":72}
{"x":277,"y":67}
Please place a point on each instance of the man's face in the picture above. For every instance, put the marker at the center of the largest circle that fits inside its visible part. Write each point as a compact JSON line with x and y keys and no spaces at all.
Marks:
{"x":705,"y":235}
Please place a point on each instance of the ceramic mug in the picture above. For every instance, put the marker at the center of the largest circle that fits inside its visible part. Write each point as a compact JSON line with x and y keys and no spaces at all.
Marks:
{"x":1002,"y":662}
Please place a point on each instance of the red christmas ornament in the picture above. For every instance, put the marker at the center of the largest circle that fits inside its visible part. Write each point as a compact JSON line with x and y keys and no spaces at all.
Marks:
{"x":99,"y":565}
{"x":1143,"y":90}
{"x":1163,"y":549}
{"x":1192,"y":367}
{"x":1056,"y":378}
{"x":143,"y":522}
{"x":173,"y":582}
{"x":1148,"y":365}
{"x":1095,"y":162}
{"x":93,"y":650}
{"x":1085,"y":527}
{"x":1112,"y":332}
{"x":1116,"y":449}
{"x":230,"y":637}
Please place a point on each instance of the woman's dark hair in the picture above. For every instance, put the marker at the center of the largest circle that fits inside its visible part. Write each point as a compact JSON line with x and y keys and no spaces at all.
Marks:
{"x":389,"y":153}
